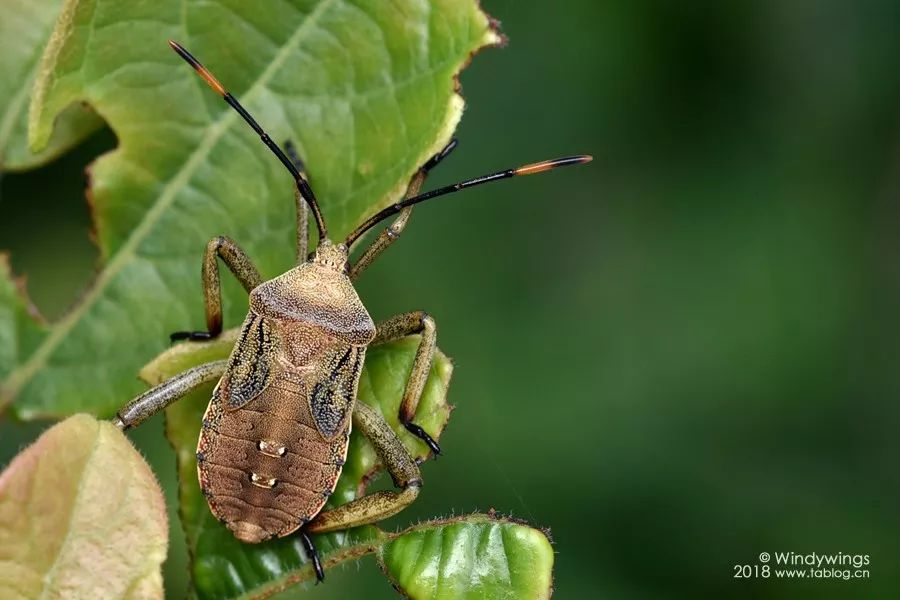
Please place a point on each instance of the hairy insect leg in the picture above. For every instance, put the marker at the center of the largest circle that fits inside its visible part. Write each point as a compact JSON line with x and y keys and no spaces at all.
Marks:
{"x":155,"y":399}
{"x":384,"y":239}
{"x":300,"y":203}
{"x":383,"y":504}
{"x":390,"y":235}
{"x":400,"y":326}
{"x":243,"y":269}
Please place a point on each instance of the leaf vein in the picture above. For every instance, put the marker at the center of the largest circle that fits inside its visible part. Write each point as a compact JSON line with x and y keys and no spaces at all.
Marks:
{"x":20,"y":376}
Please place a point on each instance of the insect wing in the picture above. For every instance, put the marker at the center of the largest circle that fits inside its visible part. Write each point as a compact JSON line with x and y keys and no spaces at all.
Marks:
{"x":250,"y":366}
{"x":332,"y":396}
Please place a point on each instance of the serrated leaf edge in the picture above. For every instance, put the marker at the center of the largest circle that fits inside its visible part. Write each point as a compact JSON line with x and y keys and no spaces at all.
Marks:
{"x":40,"y":131}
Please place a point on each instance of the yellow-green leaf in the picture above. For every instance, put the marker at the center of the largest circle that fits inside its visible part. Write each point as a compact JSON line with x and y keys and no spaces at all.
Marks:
{"x":365,"y":88}
{"x":81,"y":516}
{"x":25,"y":27}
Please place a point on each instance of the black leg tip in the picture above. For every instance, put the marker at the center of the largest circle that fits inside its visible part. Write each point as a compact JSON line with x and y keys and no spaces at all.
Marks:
{"x":423,"y":435}
{"x":434,"y":160}
{"x":192,"y":336}
{"x":291,"y":150}
{"x":313,"y":556}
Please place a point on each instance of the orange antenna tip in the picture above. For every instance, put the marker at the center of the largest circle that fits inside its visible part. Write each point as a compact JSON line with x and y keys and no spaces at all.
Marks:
{"x":201,"y":70}
{"x":546,"y":165}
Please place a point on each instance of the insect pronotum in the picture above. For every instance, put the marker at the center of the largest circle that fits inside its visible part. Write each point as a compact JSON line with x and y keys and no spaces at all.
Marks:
{"x":275,"y":434}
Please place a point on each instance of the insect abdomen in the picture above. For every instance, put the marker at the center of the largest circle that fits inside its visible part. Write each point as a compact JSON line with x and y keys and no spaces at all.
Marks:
{"x":265,"y":468}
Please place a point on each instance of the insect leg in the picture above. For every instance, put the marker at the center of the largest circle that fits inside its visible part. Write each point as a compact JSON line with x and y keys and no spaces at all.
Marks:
{"x":302,"y":208}
{"x":383,"y":504}
{"x":155,"y":399}
{"x":242,"y":268}
{"x":384,"y":239}
{"x":390,"y":235}
{"x":313,"y":555}
{"x":400,"y":326}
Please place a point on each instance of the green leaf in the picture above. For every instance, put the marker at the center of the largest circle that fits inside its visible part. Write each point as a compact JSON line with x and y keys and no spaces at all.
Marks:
{"x":480,"y":556}
{"x":21,"y":328}
{"x":81,"y":516}
{"x":365,"y":88}
{"x":24,"y":31}
{"x":223,"y":567}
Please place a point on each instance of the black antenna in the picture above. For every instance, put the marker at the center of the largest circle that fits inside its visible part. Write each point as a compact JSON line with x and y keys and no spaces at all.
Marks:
{"x":301,"y":182}
{"x":531,"y":169}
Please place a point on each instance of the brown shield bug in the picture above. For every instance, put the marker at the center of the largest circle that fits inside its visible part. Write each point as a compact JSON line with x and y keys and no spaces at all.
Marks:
{"x":275,"y":434}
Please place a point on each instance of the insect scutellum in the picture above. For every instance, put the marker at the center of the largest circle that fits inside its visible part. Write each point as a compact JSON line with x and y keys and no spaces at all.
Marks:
{"x":310,"y":198}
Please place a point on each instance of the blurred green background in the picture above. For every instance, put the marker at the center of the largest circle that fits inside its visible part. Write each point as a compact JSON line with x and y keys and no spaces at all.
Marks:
{"x":676,"y":358}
